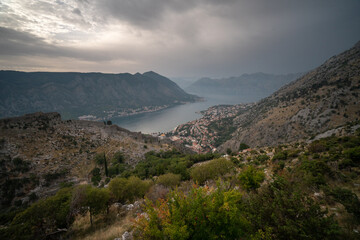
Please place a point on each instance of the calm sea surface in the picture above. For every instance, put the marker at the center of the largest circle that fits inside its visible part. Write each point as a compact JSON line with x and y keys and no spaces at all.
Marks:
{"x":167,"y":119}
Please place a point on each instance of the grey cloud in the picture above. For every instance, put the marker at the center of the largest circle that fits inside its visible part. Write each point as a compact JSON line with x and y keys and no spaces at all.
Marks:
{"x":77,"y":11}
{"x":196,"y":37}
{"x":142,"y":13}
{"x":16,"y":43}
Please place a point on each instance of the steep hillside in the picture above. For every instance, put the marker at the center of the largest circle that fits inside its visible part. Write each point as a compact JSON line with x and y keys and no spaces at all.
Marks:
{"x":323,"y":99}
{"x":39,"y":151}
{"x":245,"y":88}
{"x":75,"y":94}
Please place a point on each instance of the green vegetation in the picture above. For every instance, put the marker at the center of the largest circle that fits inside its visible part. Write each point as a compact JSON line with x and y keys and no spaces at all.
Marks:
{"x":41,"y":218}
{"x":127,"y":190}
{"x":251,"y":178}
{"x":169,"y":180}
{"x":211,"y":170}
{"x":243,"y":146}
{"x":200,"y":214}
{"x":304,"y":186}
{"x":224,"y":128}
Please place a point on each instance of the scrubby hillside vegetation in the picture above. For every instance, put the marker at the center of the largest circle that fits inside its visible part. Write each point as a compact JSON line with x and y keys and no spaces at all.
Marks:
{"x":291,"y":191}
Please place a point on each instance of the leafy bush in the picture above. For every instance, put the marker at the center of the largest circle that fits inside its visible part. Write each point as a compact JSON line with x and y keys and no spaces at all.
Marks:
{"x":284,"y":212}
{"x":353,"y":154}
{"x":345,"y":163}
{"x":243,"y":146}
{"x":124,"y":190}
{"x":316,"y":170}
{"x":211,"y":170}
{"x":117,"y":169}
{"x":251,"y":178}
{"x":195,"y":158}
{"x":169,"y":180}
{"x":100,"y":158}
{"x":118,"y":158}
{"x":202,"y":214}
{"x":348,"y":199}
{"x":44,"y":216}
{"x":316,"y":147}
{"x":282,"y":155}
{"x":157,"y":164}
{"x":96,"y":176}
{"x":262,"y":158}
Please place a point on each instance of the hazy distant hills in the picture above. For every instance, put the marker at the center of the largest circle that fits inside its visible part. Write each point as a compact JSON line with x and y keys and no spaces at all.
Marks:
{"x":245,"y":88}
{"x":74,"y":94}
{"x":326,"y":98}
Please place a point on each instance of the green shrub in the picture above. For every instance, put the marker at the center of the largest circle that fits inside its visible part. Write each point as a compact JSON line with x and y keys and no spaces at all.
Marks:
{"x":316,"y":171}
{"x":211,"y":170}
{"x":243,"y":146}
{"x":285,"y":212}
{"x":118,"y":158}
{"x":316,"y":147}
{"x":262,"y":158}
{"x":202,"y":214}
{"x":345,"y":163}
{"x":96,"y":177}
{"x":251,"y":178}
{"x":127,"y":190}
{"x":44,"y":216}
{"x":353,"y":154}
{"x":100,"y":158}
{"x":169,"y":180}
{"x":348,"y":199}
{"x":280,"y":155}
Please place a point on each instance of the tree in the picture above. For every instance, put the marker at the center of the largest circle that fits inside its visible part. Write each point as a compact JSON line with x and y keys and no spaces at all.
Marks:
{"x":97,"y":200}
{"x":100,"y":159}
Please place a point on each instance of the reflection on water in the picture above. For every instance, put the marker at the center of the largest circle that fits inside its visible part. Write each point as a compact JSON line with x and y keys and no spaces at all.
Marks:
{"x":167,"y":119}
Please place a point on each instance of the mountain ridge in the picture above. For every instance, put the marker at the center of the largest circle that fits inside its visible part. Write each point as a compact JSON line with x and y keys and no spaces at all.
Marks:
{"x":74,"y":94}
{"x":325,"y":98}
{"x":246,"y":87}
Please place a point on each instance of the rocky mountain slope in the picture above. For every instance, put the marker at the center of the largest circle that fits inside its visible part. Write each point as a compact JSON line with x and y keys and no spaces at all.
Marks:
{"x":245,"y":88}
{"x":40,"y":151}
{"x":75,"y":94}
{"x":323,"y":99}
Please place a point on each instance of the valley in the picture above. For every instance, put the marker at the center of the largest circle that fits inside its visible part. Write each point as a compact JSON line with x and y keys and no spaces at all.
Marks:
{"x":261,"y":170}
{"x":179,"y":120}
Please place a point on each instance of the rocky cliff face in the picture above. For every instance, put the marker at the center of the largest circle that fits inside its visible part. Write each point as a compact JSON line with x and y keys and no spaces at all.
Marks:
{"x":323,"y":99}
{"x":76,"y":94}
{"x":40,"y":151}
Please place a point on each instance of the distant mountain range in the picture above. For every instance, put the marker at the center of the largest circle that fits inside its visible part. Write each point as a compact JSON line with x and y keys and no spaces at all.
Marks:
{"x":324,"y":101}
{"x":74,"y":94}
{"x":245,"y":88}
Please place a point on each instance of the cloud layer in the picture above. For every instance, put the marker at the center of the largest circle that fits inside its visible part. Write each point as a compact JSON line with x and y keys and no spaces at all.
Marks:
{"x":190,"y":38}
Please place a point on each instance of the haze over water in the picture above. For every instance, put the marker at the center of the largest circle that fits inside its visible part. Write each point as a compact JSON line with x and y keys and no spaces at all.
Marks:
{"x":167,"y":119}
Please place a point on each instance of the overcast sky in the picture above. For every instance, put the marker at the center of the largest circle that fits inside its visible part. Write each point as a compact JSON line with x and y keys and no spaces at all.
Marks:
{"x":176,"y":38}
